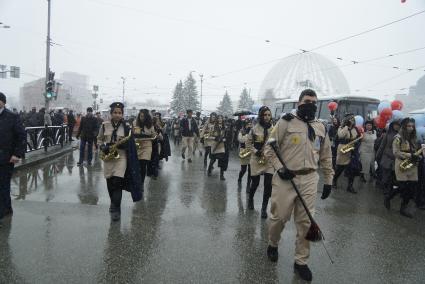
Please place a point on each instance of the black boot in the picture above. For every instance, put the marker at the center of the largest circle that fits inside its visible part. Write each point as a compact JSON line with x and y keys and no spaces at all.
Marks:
{"x":250,"y":202}
{"x":350,"y":187}
{"x":210,"y":169}
{"x":403,"y":209}
{"x":222,"y":175}
{"x":334,"y":183}
{"x":264,"y":213}
{"x":264,"y":209}
{"x":240,"y":177}
{"x":387,"y":203}
{"x":272,"y":253}
{"x":303,"y":271}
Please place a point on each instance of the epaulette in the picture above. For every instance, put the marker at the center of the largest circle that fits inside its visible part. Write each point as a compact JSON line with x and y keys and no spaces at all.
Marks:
{"x":288,"y":116}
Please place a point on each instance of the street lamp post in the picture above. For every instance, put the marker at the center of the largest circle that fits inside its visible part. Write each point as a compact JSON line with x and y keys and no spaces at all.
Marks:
{"x":48,"y":51}
{"x":123,"y":88}
{"x":202,"y":80}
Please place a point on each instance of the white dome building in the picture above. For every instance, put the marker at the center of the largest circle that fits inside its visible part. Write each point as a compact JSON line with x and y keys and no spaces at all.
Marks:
{"x":300,"y":71}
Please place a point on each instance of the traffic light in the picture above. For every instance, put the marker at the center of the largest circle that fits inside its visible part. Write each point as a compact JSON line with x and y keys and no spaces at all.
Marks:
{"x":50,"y":84}
{"x":49,"y":89}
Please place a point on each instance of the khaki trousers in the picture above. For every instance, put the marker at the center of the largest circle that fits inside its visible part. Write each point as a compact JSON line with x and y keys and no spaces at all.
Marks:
{"x":284,"y":201}
{"x":188,"y":143}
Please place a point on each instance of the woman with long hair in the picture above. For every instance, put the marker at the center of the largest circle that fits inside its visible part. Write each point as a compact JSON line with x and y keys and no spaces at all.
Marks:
{"x":405,"y":146}
{"x":219,"y":147}
{"x":207,"y":140}
{"x":144,"y":133}
{"x":244,"y":161}
{"x":367,"y":152}
{"x":259,"y":164}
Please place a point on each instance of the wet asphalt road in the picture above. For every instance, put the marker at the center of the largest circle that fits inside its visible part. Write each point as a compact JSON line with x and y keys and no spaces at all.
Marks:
{"x":192,"y":228}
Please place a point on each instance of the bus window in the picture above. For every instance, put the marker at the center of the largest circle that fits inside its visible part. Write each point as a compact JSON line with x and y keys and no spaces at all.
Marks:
{"x":324,"y":111}
{"x":371,"y":110}
{"x":355,"y":108}
{"x":287,"y":107}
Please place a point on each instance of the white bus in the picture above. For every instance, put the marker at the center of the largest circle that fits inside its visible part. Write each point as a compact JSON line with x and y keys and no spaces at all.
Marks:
{"x":367,"y":107}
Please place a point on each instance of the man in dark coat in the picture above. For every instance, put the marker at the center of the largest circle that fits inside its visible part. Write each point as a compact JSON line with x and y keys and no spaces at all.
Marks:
{"x":71,"y":124}
{"x":12,"y":148}
{"x":87,"y":131}
{"x":188,"y":128}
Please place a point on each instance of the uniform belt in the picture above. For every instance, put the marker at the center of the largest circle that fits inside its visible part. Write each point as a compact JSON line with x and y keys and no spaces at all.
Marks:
{"x":303,"y":172}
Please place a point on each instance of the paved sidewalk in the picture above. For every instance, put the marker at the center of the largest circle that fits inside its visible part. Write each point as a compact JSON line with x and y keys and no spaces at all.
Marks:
{"x":40,"y":156}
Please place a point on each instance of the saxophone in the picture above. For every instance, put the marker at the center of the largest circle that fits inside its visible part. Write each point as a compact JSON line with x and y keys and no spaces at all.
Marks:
{"x":350,"y":146}
{"x":409,"y":162}
{"x":112,"y":153}
{"x":138,"y":140}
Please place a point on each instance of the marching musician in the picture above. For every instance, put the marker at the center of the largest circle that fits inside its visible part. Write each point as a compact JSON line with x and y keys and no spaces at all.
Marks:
{"x":153,"y":164}
{"x":164,"y":142}
{"x":244,"y":161}
{"x":114,"y":132}
{"x":206,"y":131}
{"x":405,"y":147}
{"x":144,"y":133}
{"x":176,"y":131}
{"x":302,"y":143}
{"x":196,"y":143}
{"x":259,"y":164}
{"x":349,"y":161}
{"x":219,"y":147}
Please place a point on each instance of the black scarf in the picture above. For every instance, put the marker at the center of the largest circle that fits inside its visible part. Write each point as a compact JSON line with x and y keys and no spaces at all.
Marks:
{"x":114,"y":137}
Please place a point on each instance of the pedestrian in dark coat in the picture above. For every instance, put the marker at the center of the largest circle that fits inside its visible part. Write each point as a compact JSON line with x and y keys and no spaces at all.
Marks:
{"x":88,"y":131}
{"x":71,"y":124}
{"x":12,"y":148}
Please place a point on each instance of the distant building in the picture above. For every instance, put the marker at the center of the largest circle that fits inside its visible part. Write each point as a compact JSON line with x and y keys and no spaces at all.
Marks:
{"x":416,"y":97}
{"x":72,"y":93}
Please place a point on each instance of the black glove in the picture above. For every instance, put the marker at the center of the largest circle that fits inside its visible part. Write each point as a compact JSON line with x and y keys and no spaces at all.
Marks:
{"x":217,"y":139}
{"x":202,"y":140}
{"x":258,"y":154}
{"x":326,"y":191}
{"x":104,"y":148}
{"x":285,"y":174}
{"x":415,"y":158}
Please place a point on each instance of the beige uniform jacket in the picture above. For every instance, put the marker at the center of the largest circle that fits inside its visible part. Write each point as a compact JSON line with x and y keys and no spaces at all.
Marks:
{"x":298,"y":152}
{"x":207,"y":129}
{"x":243,"y":138}
{"x":217,"y":147}
{"x":113,"y":167}
{"x":144,"y":149}
{"x":344,"y":134}
{"x":401,"y":150}
{"x":257,"y":135}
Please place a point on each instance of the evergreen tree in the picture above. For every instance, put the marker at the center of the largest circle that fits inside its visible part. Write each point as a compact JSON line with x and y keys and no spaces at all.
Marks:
{"x":177,"y":102}
{"x":245,"y":101}
{"x":225,"y":108}
{"x":190,"y":94}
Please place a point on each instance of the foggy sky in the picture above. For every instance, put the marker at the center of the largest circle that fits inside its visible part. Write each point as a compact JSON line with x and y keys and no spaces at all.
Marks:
{"x":160,"y":42}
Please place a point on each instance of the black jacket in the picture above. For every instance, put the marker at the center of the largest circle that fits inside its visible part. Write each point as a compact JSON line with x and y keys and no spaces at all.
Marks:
{"x":88,"y":128}
{"x":12,"y":136}
{"x":184,"y":127}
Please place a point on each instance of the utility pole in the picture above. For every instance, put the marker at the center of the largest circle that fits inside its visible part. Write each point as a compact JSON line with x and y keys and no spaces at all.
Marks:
{"x":123,"y":89}
{"x":202,"y":80}
{"x":47,"y":52}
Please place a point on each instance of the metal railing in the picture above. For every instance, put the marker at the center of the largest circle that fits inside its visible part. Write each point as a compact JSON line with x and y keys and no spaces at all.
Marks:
{"x":43,"y":137}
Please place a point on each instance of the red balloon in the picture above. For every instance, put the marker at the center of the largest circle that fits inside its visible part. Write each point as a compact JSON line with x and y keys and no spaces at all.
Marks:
{"x":396,"y":105}
{"x":332,"y":106}
{"x":386,"y":114}
{"x":380,"y":122}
